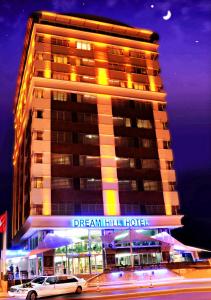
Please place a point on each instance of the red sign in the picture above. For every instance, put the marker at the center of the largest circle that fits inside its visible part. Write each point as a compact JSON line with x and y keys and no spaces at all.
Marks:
{"x":3,"y":222}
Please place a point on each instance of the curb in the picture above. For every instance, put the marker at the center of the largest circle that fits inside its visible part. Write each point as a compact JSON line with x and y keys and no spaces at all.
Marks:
{"x":151,"y":293}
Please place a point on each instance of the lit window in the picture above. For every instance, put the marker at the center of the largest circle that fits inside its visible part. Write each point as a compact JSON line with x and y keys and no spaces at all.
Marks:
{"x":90,"y":184}
{"x":38,"y":158}
{"x":144,"y":123}
{"x":114,"y":82}
{"x":61,"y":159}
{"x":83,"y":46}
{"x":61,"y":183}
{"x":38,"y":182}
{"x":150,"y":185}
{"x":87,"y":62}
{"x":60,"y":76}
{"x":60,"y":59}
{"x":40,"y":56}
{"x":140,"y":86}
{"x":59,"y":96}
{"x":38,"y":93}
{"x":137,"y":54}
{"x":89,"y":161}
{"x":127,"y":185}
{"x":115,"y":51}
{"x":88,"y":79}
{"x":125,"y":162}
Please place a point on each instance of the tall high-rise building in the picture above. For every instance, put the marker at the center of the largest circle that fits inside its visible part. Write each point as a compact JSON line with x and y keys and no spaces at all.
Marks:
{"x":92,"y":146}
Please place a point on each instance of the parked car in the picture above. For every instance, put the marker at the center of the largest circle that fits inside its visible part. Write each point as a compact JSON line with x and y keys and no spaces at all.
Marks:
{"x":44,"y":286}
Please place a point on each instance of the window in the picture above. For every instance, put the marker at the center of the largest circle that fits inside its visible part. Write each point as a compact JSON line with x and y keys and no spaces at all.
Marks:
{"x":61,"y":76}
{"x":172,"y":186}
{"x":89,"y":99}
{"x":59,"y":96}
{"x":90,"y":139}
{"x":38,"y":93}
{"x":127,"y":185}
{"x":83,"y":46}
{"x":114,"y":82}
{"x":61,"y":159}
{"x":88,"y":118}
{"x":89,"y":161}
{"x":38,"y":158}
{"x":61,"y":183}
{"x":115,"y":51}
{"x":125,"y":162}
{"x":39,"y":135}
{"x":51,"y":280}
{"x":150,"y":164}
{"x":61,"y":137}
{"x":165,"y":125}
{"x":144,"y":124}
{"x":161,"y":107}
{"x":146,"y":143}
{"x":38,"y":182}
{"x":39,"y":114}
{"x":116,"y":67}
{"x":169,"y":165}
{"x":90,"y":184}
{"x":140,"y":86}
{"x":137,"y":54}
{"x":61,"y":115}
{"x":60,"y":59}
{"x":40,"y":39}
{"x":40,"y":56}
{"x":39,"y":73}
{"x":87,"y":62}
{"x":166,"y":144}
{"x":150,"y":185}
{"x":120,"y":121}
{"x":86,"y":78}
{"x":138,"y":70}
{"x":59,"y":42}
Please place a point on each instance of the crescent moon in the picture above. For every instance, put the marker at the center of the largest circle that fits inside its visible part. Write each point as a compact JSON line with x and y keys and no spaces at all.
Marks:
{"x":168,"y":16}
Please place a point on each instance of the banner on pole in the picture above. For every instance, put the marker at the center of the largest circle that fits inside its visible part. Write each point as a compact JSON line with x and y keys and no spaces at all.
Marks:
{"x":3,"y":222}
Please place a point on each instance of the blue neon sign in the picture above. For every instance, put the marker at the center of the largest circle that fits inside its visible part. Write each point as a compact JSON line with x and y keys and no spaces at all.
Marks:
{"x":108,"y":222}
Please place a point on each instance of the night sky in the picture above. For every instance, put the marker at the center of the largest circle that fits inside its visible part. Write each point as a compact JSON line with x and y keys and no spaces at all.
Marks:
{"x":185,"y":58}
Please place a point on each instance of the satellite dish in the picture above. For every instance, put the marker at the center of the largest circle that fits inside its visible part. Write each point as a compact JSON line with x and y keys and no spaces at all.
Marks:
{"x":167,"y":16}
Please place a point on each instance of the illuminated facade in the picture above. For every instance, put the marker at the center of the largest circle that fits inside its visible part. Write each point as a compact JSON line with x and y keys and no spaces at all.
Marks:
{"x":91,"y":137}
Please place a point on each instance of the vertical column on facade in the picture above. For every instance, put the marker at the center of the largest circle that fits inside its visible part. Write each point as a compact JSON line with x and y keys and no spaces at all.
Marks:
{"x":41,"y":196}
{"x":165,"y":156}
{"x":107,"y":153}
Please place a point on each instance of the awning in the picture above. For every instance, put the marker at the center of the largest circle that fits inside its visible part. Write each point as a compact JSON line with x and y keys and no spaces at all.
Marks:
{"x":37,"y":251}
{"x":164,"y":237}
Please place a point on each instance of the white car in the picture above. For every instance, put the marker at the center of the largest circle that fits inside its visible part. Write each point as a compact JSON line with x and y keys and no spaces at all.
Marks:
{"x":44,"y":286}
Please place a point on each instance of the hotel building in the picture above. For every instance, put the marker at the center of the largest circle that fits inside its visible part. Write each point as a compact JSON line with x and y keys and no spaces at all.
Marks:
{"x":94,"y":179}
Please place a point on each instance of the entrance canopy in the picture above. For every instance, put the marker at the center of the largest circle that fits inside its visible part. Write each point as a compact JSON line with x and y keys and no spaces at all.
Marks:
{"x":164,"y":237}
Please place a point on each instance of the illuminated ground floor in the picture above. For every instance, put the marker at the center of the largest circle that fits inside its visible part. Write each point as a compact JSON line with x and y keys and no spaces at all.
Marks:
{"x":90,"y":245}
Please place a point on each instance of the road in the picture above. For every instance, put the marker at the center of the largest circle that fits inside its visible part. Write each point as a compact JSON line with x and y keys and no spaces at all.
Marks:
{"x":184,"y":291}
